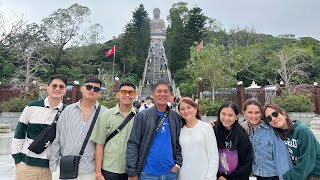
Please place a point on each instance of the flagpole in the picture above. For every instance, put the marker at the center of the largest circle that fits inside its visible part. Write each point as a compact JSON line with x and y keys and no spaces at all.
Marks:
{"x":114,"y":57}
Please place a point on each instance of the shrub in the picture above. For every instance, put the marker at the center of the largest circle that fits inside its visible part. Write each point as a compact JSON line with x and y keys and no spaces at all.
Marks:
{"x":15,"y":104}
{"x":109,"y":103}
{"x":299,"y":102}
{"x":210,"y":108}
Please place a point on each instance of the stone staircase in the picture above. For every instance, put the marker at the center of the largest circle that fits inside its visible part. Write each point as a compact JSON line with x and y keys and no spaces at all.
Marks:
{"x":156,"y":68}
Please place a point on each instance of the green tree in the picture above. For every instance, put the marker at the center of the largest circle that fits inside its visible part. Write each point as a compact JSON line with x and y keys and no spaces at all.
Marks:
{"x":212,"y":65}
{"x":177,"y":49}
{"x":62,"y":26}
{"x":134,"y":43}
{"x":195,"y":28}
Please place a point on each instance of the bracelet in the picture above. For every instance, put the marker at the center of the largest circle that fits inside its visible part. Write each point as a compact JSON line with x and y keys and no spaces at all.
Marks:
{"x":98,"y":174}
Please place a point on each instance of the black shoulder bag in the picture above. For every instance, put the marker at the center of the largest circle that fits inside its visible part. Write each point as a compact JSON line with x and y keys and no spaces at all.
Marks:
{"x":42,"y":141}
{"x":122,"y":125}
{"x":69,"y":165}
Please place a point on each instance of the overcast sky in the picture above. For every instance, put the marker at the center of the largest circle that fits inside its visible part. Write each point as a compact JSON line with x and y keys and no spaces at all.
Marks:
{"x":275,"y":17}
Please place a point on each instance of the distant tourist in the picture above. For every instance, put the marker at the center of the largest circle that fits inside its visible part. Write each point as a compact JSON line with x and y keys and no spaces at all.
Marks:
{"x":148,"y":103}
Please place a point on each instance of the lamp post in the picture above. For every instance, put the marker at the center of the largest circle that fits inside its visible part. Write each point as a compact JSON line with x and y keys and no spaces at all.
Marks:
{"x":116,"y":85}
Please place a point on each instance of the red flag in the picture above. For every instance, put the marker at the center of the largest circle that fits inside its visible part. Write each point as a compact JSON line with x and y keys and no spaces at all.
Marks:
{"x":111,"y":51}
{"x":199,"y":46}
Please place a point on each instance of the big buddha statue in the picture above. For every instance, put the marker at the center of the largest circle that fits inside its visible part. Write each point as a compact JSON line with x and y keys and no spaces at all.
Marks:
{"x":157,"y":25}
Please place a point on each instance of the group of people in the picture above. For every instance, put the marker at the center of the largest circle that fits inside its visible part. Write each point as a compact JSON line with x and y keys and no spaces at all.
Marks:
{"x":159,"y":143}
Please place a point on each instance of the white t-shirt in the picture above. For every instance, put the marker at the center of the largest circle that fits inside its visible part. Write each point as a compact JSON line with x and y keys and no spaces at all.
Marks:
{"x":199,"y":152}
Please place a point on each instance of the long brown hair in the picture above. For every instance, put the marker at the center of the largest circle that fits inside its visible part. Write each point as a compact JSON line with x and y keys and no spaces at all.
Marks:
{"x":191,"y":102}
{"x":282,"y":111}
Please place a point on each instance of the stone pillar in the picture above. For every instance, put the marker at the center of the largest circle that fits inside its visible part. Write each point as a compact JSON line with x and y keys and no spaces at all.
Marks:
{"x":75,"y":93}
{"x":241,"y":95}
{"x":200,"y":89}
{"x":315,"y":127}
{"x":5,"y":138}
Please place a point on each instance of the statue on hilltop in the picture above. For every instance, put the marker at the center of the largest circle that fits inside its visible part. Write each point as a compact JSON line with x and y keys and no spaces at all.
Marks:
{"x":157,"y":25}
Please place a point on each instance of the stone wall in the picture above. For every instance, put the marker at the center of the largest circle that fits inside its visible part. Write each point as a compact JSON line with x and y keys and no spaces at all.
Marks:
{"x":11,"y":117}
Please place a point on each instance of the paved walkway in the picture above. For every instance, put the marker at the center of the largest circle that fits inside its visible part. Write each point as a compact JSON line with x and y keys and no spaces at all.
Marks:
{"x":7,"y":167}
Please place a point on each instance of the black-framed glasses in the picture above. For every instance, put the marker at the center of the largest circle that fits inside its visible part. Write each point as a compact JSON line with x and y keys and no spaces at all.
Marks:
{"x":89,"y":87}
{"x":274,"y":114}
{"x":130,"y":92}
{"x":60,"y":86}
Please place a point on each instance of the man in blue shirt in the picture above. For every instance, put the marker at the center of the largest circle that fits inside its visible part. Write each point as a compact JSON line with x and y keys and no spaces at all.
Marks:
{"x":150,"y":153}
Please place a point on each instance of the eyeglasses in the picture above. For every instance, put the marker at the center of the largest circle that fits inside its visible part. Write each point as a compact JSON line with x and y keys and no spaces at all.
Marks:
{"x":125,"y":92}
{"x":95,"y":89}
{"x":55,"y":86}
{"x":274,"y":114}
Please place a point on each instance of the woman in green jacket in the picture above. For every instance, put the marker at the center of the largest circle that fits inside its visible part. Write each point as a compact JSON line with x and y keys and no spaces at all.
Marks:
{"x":303,"y":146}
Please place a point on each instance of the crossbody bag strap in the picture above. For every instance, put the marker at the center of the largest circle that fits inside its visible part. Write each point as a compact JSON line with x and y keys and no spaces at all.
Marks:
{"x":122,"y":125}
{"x":162,"y":120}
{"x":90,"y":130}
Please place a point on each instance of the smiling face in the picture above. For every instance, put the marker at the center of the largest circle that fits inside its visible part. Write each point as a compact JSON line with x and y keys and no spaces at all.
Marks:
{"x":276,"y":122}
{"x":161,"y":95}
{"x":187,"y":111}
{"x":253,"y":114}
{"x":57,"y":89}
{"x":126,"y":95}
{"x":228,"y":117}
{"x":90,"y":95}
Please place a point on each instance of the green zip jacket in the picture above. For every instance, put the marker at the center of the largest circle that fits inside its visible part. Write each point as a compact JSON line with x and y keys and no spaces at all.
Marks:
{"x":304,"y":149}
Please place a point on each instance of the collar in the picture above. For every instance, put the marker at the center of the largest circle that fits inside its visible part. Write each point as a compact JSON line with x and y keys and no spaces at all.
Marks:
{"x":263,"y":124}
{"x":117,"y":109}
{"x":47,"y":105}
{"x":79,"y":105}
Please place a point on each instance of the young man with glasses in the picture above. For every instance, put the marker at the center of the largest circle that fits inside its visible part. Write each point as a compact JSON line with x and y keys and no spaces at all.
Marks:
{"x":111,"y":157}
{"x":153,"y":150}
{"x":37,"y":116}
{"x":72,"y":127}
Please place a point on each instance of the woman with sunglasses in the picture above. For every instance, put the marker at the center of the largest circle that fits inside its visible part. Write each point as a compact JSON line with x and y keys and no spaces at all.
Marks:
{"x":235,"y":161}
{"x":303,"y":146}
{"x":198,"y":144}
{"x":271,"y":158}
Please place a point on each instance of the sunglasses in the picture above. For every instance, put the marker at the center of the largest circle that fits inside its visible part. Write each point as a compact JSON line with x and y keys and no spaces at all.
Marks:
{"x":89,"y":87}
{"x":125,"y":92}
{"x":274,"y":114}
{"x":55,"y":86}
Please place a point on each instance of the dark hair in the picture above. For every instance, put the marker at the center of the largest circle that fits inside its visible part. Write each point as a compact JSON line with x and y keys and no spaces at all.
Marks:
{"x":93,"y":80}
{"x":159,"y":83}
{"x":219,"y":129}
{"x":252,"y":102}
{"x":282,"y":111}
{"x":137,"y":104}
{"x":127,"y":84}
{"x":189,"y":101}
{"x":148,"y":97}
{"x":58,"y":76}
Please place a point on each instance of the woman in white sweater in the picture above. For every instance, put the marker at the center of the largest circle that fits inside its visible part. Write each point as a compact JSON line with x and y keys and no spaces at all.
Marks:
{"x":198,"y":144}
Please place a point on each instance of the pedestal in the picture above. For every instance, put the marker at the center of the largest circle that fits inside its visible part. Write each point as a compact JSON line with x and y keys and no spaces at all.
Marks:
{"x":5,"y":143}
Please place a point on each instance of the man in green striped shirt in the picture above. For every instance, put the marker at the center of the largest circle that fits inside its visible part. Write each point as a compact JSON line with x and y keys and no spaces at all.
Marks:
{"x":37,"y":116}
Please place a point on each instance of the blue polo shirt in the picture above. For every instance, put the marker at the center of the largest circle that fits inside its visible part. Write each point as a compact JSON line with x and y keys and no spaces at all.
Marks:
{"x":160,"y":159}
